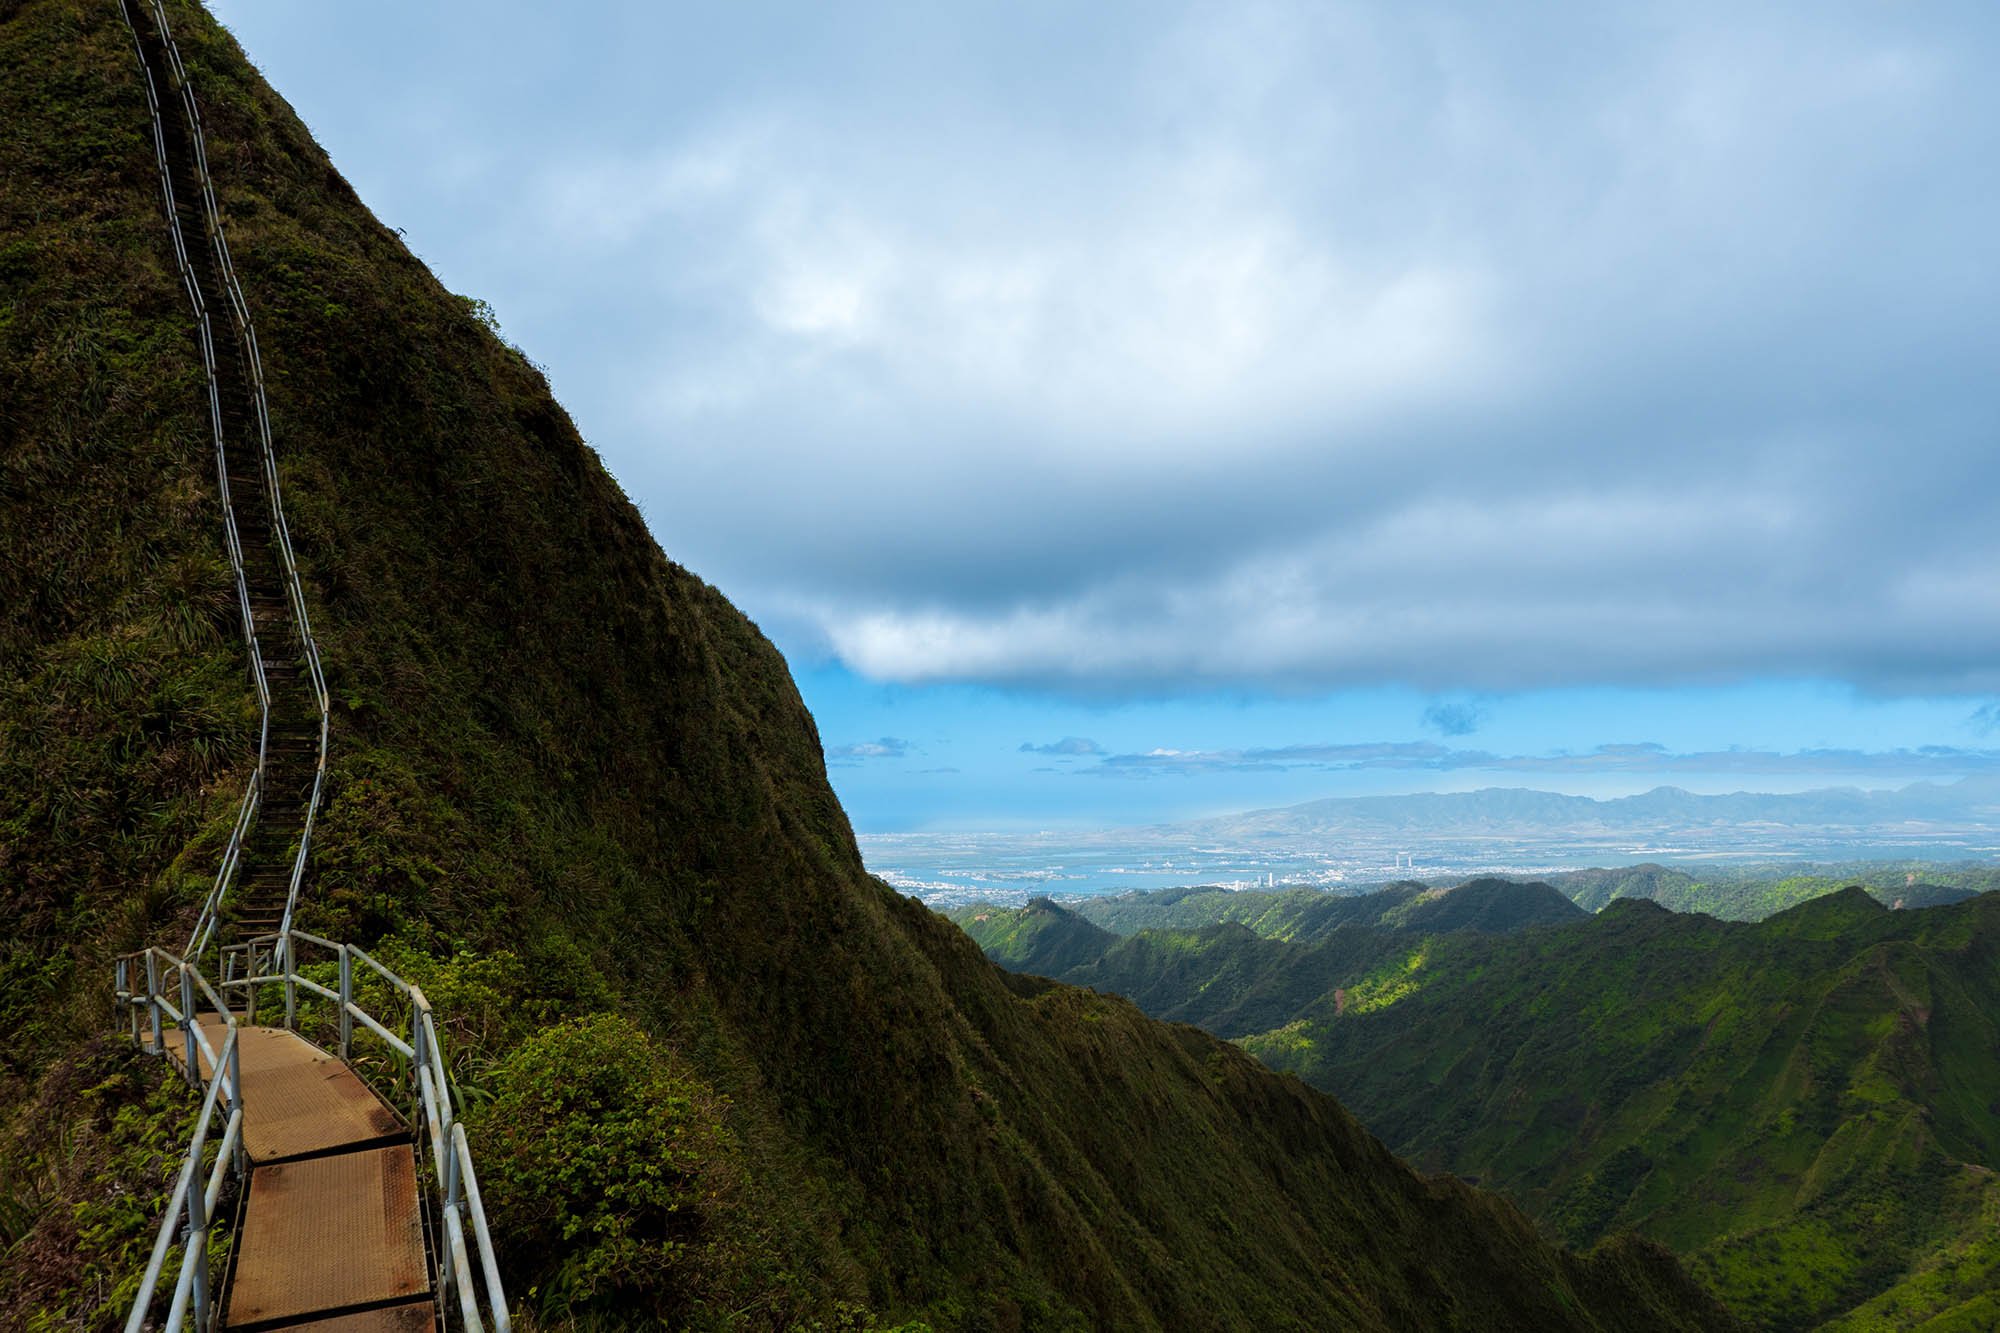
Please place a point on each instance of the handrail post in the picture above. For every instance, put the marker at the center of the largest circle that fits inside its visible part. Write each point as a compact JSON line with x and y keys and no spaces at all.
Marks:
{"x":194,"y":1252}
{"x":158,"y":1046}
{"x":236,"y":1103}
{"x":291,"y":990}
{"x":188,"y":1025}
{"x":346,"y":998}
{"x":123,"y":989}
{"x":451,"y":1192}
{"x":251,"y":973}
{"x":419,"y":1061}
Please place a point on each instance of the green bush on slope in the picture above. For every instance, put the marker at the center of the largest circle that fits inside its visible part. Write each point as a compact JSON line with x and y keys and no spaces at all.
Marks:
{"x":604,"y":1158}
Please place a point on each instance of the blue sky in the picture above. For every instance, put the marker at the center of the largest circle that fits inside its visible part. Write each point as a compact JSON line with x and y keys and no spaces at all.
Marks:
{"x":1239,"y":404}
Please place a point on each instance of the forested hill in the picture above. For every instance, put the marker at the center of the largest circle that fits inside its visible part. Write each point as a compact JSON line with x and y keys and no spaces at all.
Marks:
{"x":1051,"y":939}
{"x":574,"y":795}
{"x":1807,"y":1108}
{"x":1266,"y":958}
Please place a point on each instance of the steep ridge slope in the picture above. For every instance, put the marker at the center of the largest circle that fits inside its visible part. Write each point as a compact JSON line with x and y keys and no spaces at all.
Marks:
{"x":574,"y":779}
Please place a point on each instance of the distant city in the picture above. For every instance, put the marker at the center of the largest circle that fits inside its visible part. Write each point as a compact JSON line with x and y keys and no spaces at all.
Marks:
{"x":1356,"y":843}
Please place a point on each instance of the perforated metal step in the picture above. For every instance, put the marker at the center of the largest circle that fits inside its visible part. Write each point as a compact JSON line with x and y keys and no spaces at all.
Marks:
{"x":328,"y":1234}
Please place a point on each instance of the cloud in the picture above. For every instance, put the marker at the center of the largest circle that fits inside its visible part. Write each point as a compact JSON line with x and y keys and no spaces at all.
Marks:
{"x":1286,"y":346}
{"x":1644,"y":757}
{"x":1068,"y":745}
{"x":1985,"y":719}
{"x":888,"y":747}
{"x":1377,"y":755}
{"x":1454,"y":719}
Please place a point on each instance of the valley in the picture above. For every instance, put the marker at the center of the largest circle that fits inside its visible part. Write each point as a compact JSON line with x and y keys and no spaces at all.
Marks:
{"x":1803,"y":1107}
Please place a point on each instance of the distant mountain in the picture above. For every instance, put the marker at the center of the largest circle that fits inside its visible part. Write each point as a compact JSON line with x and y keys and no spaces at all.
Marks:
{"x":1752,"y":895}
{"x":1233,"y":977}
{"x":1521,"y":811}
{"x":1039,"y":938}
{"x":1488,"y":903}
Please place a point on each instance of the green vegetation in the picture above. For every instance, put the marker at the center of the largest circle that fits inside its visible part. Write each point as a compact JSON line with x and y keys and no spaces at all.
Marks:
{"x":1040,"y":938}
{"x":1804,"y":1107}
{"x":1229,"y":977}
{"x":607,"y":1159}
{"x":1011,"y":935}
{"x":85,"y":1172}
{"x":568,"y":780}
{"x":1752,"y":893}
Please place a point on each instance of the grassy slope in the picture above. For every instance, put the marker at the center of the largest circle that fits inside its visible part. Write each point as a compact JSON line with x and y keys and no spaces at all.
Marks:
{"x":556,"y":748}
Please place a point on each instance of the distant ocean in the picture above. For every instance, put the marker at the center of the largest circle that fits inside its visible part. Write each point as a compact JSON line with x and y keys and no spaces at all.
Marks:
{"x":946,"y":869}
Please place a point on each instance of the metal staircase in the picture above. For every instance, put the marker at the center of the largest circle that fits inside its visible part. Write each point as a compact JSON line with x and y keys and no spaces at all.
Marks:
{"x":267,"y":854}
{"x":351,"y":1216}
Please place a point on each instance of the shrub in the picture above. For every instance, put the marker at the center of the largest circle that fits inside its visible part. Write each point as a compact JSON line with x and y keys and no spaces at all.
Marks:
{"x":603,"y":1161}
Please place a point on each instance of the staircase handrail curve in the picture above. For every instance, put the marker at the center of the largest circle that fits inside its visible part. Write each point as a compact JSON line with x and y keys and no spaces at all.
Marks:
{"x":435,"y":1113}
{"x":189,"y":1209}
{"x":246,"y":332}
{"x":281,"y":526}
{"x":205,"y":925}
{"x":204,"y":928}
{"x":456,"y":1185}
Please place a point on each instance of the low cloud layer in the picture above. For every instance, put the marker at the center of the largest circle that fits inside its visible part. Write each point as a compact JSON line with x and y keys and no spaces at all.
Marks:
{"x":888,"y":747}
{"x":1069,"y":746}
{"x":1941,"y":761}
{"x":1126,"y":349}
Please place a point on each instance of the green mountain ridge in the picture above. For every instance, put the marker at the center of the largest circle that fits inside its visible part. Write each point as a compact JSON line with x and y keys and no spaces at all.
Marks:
{"x":1230,"y":977}
{"x":574,"y":794}
{"x":1751,"y":895}
{"x":1806,"y":1107}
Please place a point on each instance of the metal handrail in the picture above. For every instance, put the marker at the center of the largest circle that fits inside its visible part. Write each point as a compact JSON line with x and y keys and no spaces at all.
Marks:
{"x":239,"y":311}
{"x":189,"y":1206}
{"x":436,"y":1123}
{"x":204,"y":930}
{"x":433,"y":1113}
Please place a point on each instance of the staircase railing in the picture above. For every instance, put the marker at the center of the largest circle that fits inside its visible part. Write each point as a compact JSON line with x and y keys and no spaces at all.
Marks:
{"x":204,"y":930}
{"x":191,"y":1207}
{"x":466,"y":1264}
{"x":270,"y":960}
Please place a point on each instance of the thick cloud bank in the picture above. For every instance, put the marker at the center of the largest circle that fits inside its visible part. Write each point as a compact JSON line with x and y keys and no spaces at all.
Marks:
{"x":1122,"y":349}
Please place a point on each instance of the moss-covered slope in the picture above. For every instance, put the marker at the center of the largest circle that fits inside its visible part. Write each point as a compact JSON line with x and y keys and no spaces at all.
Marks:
{"x":569,"y":777}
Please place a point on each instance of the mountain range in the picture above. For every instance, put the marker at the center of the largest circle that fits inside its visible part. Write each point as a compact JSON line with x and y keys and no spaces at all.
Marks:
{"x":1806,"y":1108}
{"x":1970,"y":802}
